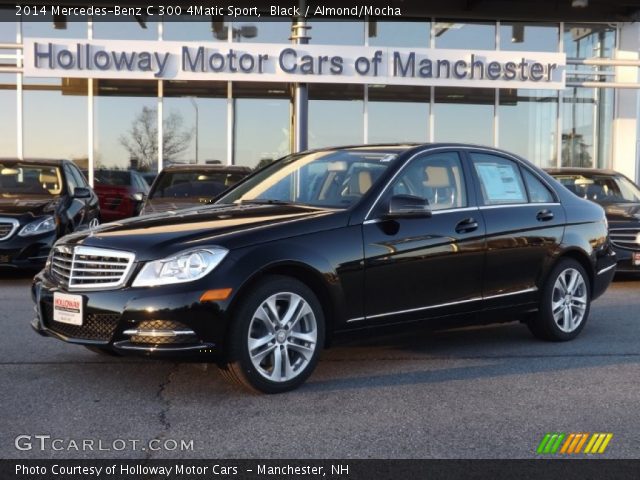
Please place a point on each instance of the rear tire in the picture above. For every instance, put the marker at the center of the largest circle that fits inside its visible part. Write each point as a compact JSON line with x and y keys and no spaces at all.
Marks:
{"x":276,"y":336}
{"x":565,"y":303}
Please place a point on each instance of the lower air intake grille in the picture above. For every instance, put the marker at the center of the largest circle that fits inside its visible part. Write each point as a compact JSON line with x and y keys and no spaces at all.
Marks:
{"x":96,"y":326}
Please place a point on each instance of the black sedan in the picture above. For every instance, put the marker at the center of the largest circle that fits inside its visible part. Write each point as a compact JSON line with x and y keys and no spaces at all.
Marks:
{"x":184,"y":186}
{"x":328,"y":241}
{"x":620,"y":198}
{"x":40,"y":201}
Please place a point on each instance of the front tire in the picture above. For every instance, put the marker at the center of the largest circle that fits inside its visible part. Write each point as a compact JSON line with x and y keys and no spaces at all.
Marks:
{"x":565,"y":303}
{"x":276,"y":336}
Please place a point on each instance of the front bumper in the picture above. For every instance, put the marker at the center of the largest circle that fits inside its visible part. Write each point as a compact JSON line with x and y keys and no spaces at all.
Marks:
{"x":26,"y":252}
{"x":165,"y":320}
{"x":625,"y":261}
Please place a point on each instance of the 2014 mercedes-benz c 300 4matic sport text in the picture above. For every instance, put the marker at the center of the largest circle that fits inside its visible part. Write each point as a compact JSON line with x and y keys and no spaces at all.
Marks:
{"x":327,"y":241}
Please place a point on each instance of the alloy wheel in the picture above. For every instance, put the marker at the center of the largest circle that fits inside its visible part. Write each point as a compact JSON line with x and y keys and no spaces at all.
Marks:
{"x":282,"y":337}
{"x":569,"y":300}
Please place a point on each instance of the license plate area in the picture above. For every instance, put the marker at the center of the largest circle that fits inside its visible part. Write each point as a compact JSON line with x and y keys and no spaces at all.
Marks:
{"x":635,"y":260}
{"x":68,"y":308}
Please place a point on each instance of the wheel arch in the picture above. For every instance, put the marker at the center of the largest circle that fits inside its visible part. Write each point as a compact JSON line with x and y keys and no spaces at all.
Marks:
{"x":579,"y":256}
{"x":332,"y":306}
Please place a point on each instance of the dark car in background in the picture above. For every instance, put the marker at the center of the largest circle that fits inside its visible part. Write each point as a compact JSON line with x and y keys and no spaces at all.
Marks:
{"x":620,"y":198}
{"x":329,"y":241}
{"x":121,"y":192}
{"x":41,"y":200}
{"x":183,"y":186}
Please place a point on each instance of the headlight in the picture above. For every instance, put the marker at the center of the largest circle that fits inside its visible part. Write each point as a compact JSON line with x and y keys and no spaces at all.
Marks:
{"x":183,"y":267}
{"x":42,"y":225}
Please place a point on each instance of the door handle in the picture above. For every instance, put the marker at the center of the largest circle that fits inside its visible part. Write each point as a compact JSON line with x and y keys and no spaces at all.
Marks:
{"x":467,"y":225}
{"x":544,"y":215}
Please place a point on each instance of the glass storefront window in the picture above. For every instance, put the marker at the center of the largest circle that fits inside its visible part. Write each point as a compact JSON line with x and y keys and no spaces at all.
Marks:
{"x":195,"y":123}
{"x":196,"y":28}
{"x":579,"y":127}
{"x":451,"y":34}
{"x":126,"y":124}
{"x":527,"y":124}
{"x":8,"y":109}
{"x":328,"y":32}
{"x":398,"y":34}
{"x":262,"y":130}
{"x":141,"y":29}
{"x":257,"y":30}
{"x":64,"y":28}
{"x":542,"y":37}
{"x":464,"y":115}
{"x":47,"y":132}
{"x":8,"y":28}
{"x":335,"y":115}
{"x":391,"y":120}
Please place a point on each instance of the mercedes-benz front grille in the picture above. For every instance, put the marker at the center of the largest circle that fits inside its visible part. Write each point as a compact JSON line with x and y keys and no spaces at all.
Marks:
{"x":8,"y":226}
{"x":628,"y":238}
{"x":83,"y":268}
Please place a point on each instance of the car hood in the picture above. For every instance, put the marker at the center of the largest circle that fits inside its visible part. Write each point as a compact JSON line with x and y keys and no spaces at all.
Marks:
{"x":25,"y":205}
{"x":622,"y":212}
{"x":158,"y":205}
{"x":230,"y":226}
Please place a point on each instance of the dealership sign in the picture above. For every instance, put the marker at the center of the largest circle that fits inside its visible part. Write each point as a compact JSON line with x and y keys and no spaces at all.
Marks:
{"x":292,"y":63}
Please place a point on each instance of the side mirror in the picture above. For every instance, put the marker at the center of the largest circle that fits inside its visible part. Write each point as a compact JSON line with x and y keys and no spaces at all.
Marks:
{"x":138,"y":197}
{"x":81,"y":192}
{"x":408,"y":206}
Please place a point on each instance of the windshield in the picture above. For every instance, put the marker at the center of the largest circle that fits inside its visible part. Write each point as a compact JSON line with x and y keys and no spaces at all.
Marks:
{"x":194,"y":184}
{"x":602,"y":188}
{"x":335,"y":179}
{"x":112,"y":177}
{"x":21,"y":179}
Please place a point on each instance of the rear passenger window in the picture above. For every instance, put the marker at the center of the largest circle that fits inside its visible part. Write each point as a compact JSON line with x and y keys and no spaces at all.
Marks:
{"x":538,"y":192}
{"x":500,"y":180}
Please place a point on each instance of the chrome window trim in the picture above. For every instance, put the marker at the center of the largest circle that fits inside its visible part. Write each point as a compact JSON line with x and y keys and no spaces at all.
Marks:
{"x":14,"y":222}
{"x":433,"y":212}
{"x":503,"y":205}
{"x":430,"y":307}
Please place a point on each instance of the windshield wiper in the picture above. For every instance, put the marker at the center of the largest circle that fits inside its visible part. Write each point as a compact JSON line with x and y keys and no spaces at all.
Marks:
{"x":266,"y":201}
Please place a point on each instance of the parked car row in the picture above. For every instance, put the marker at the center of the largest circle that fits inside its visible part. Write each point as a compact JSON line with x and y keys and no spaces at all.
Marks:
{"x":620,"y":198}
{"x":42,"y":200}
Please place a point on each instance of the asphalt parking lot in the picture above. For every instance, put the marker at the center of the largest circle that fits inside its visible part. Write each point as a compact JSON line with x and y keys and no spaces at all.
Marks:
{"x":488,"y":392}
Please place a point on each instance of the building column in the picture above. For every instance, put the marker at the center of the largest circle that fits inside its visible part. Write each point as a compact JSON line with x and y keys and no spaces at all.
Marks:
{"x":626,"y":127}
{"x":300,"y":125}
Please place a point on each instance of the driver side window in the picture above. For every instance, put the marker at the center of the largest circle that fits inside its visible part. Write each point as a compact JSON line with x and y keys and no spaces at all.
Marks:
{"x":436,"y":177}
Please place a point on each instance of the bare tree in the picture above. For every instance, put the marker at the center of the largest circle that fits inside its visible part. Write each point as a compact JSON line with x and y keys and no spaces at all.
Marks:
{"x":142,"y":140}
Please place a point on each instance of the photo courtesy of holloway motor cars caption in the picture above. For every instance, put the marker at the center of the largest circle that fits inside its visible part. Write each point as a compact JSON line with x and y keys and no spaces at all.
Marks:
{"x":316,"y":239}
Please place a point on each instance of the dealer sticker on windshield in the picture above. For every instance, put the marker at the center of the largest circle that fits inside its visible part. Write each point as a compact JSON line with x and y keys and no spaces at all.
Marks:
{"x":67,"y":308}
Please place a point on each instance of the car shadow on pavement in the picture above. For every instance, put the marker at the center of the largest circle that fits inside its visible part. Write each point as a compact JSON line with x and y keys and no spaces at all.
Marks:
{"x":460,"y":354}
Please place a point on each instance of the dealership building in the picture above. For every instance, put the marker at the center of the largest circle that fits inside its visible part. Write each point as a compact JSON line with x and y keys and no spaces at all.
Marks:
{"x":553,"y":81}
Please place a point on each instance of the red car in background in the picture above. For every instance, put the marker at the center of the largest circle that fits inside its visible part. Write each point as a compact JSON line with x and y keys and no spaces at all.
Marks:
{"x":121,"y":193}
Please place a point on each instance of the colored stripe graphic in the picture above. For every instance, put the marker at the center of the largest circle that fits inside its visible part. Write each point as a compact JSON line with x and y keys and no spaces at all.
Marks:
{"x":573,"y":443}
{"x":598,"y":443}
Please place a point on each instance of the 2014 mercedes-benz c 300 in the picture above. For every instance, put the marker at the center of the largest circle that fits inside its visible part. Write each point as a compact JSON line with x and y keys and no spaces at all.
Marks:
{"x":328,"y":241}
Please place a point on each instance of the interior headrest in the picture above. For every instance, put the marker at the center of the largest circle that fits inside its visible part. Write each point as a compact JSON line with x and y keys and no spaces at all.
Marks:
{"x":48,"y":178}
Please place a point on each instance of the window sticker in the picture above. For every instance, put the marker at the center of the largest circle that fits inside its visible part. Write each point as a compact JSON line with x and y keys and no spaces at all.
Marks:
{"x":501,"y":182}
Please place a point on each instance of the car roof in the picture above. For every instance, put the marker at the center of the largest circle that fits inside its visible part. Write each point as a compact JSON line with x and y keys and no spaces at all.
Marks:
{"x":205,"y":167}
{"x":36,"y":161}
{"x":581,"y":171}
